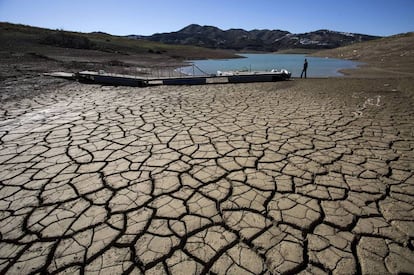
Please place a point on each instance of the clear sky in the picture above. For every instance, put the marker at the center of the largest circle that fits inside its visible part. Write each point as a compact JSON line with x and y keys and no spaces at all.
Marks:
{"x":145,"y":17}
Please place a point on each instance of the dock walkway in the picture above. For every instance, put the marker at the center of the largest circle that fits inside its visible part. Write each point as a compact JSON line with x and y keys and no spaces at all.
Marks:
{"x":135,"y":81}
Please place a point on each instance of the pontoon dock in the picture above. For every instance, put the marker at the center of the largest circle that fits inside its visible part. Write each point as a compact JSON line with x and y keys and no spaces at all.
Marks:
{"x":128,"y":80}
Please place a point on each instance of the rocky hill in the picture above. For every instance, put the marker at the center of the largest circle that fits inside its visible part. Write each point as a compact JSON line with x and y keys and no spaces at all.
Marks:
{"x":257,"y":40}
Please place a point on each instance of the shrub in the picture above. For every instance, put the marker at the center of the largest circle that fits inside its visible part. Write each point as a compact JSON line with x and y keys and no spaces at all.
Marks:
{"x":67,"y":40}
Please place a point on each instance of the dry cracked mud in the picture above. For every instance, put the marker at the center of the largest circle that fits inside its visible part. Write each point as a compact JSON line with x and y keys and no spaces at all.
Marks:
{"x":293,"y":177}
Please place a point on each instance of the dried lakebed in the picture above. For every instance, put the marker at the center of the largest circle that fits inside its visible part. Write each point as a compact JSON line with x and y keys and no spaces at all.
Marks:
{"x":294,"y":177}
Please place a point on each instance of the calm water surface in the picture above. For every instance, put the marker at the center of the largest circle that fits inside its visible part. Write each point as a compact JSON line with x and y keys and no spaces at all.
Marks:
{"x":318,"y":67}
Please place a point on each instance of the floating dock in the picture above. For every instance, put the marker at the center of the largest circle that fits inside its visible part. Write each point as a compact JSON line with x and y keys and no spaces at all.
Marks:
{"x":110,"y":79}
{"x":135,"y":81}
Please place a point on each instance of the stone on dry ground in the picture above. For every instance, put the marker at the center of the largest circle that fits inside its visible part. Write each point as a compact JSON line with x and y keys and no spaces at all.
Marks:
{"x":230,"y":179}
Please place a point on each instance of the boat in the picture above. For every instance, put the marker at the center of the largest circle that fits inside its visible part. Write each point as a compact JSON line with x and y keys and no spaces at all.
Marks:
{"x":255,"y":76}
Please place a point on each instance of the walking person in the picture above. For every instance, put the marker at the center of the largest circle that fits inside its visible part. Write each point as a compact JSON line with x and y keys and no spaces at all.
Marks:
{"x":305,"y":68}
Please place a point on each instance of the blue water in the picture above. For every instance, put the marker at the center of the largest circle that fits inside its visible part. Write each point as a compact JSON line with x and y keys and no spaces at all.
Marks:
{"x":318,"y":67}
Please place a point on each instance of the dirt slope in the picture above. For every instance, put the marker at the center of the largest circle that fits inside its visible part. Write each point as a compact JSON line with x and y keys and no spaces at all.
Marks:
{"x":389,"y":56}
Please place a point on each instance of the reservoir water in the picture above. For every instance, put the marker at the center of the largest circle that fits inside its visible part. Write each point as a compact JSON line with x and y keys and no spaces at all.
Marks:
{"x":318,"y":67}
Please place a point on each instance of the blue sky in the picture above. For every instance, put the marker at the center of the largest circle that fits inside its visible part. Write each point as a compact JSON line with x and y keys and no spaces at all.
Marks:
{"x":122,"y":17}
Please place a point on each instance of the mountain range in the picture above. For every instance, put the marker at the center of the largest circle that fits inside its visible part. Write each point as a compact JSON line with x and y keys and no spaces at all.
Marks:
{"x":256,"y":40}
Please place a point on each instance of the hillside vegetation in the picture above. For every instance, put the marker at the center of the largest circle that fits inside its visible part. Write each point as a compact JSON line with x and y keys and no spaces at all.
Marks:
{"x":60,"y":45}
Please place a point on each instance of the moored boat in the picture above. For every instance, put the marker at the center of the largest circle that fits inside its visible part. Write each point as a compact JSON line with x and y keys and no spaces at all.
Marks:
{"x":255,"y":76}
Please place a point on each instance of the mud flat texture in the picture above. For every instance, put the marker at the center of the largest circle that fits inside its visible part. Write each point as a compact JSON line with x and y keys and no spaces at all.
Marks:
{"x":298,"y":177}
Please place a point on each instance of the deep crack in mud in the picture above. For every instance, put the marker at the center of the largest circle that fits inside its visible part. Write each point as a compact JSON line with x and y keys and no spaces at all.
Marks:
{"x":228,"y":179}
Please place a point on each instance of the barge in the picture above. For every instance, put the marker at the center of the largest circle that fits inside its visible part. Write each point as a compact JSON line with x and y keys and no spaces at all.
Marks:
{"x":135,"y":81}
